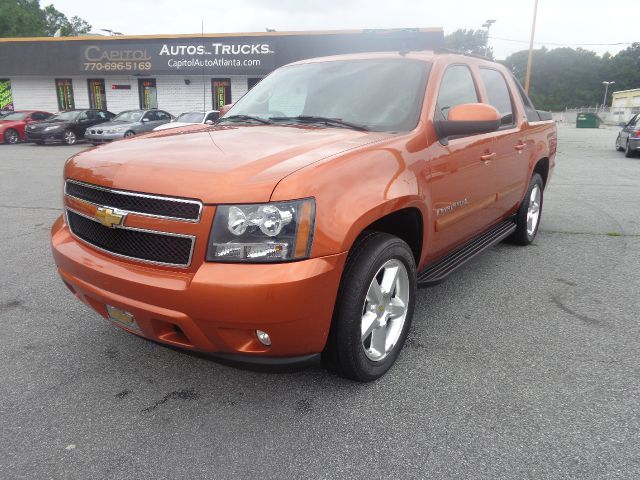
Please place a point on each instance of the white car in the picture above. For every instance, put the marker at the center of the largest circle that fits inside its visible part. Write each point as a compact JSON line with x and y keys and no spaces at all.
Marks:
{"x":191,"y":118}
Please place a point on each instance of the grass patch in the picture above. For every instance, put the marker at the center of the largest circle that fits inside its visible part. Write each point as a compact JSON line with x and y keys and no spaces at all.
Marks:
{"x":614,"y":234}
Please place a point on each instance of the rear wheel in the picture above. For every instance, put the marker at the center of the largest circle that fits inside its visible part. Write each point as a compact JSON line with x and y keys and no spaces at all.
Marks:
{"x":11,"y":136}
{"x":529,"y":213}
{"x":70,"y":137}
{"x":374,"y":308}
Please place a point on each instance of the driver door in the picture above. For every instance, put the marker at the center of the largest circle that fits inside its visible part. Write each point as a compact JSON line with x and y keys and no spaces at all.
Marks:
{"x":462,"y":193}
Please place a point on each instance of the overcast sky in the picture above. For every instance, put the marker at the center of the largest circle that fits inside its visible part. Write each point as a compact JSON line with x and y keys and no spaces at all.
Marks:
{"x":560,"y":22}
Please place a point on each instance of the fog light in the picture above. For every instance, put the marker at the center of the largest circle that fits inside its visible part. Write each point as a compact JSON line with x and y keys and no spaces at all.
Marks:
{"x":264,"y":337}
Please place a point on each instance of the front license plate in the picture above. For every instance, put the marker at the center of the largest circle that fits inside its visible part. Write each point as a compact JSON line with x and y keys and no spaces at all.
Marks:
{"x":122,"y":317}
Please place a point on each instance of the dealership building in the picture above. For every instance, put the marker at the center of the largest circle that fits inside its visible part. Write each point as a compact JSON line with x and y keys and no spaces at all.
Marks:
{"x":175,"y":73}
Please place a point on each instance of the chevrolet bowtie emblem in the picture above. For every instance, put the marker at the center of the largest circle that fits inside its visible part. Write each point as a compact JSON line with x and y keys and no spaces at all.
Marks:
{"x":109,"y":217}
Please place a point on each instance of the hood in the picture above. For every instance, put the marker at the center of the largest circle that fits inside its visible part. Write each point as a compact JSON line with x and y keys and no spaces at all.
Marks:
{"x":112,"y":124}
{"x":166,"y":126}
{"x":222,"y":164}
{"x":46,"y":123}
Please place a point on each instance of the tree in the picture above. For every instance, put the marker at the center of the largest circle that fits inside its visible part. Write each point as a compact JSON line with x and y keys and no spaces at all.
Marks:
{"x":25,"y":18}
{"x":55,"y":20}
{"x":469,"y":41}
{"x":21,"y":18}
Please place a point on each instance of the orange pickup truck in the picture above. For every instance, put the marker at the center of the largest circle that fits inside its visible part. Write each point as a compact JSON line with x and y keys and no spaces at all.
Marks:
{"x":299,"y":227}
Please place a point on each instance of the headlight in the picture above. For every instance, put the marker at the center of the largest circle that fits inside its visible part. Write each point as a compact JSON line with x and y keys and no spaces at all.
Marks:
{"x":55,"y":127}
{"x":269,"y":232}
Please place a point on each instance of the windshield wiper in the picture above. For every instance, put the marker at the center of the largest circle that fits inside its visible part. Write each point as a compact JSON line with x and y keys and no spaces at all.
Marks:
{"x":332,"y":122}
{"x":245,"y":118}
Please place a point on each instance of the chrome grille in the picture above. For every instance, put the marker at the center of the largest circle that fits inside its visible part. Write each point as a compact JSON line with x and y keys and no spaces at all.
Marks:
{"x":183,"y":209}
{"x":155,"y":247}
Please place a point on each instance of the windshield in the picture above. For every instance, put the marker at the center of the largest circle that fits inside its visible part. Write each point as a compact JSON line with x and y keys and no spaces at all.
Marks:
{"x":64,"y":116}
{"x":190,"y":117}
{"x":378,"y":94}
{"x":128,"y":116}
{"x":15,"y":116}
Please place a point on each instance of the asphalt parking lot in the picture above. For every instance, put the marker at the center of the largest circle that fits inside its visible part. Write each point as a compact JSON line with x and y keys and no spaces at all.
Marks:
{"x":523,"y":364}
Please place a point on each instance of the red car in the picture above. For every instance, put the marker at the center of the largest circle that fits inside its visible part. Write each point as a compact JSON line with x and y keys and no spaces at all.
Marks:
{"x":12,"y":126}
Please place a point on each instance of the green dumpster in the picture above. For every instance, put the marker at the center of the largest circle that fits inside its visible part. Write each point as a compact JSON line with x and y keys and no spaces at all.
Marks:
{"x":588,"y":120}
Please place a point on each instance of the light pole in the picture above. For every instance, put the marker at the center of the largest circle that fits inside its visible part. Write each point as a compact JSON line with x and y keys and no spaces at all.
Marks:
{"x":487,"y":25}
{"x":606,"y":90}
{"x":527,"y":80}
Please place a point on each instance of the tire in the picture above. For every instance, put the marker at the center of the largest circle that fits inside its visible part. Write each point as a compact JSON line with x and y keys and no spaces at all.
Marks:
{"x":627,"y":150}
{"x":129,"y":133}
{"x":11,"y":136}
{"x":374,"y":258}
{"x":39,"y":143}
{"x":618,"y":147}
{"x":69,"y":137}
{"x":525,"y":233}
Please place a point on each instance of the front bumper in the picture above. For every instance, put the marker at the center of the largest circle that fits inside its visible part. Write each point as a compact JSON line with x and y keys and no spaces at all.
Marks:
{"x":216,"y":308}
{"x":103,"y":137}
{"x":52,"y":136}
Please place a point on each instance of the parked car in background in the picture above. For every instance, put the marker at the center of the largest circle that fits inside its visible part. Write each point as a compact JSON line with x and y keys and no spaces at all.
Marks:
{"x":66,"y":127}
{"x":13,"y":124}
{"x":127,"y":124}
{"x":628,"y":140}
{"x":191,"y":118}
{"x":4,"y":113}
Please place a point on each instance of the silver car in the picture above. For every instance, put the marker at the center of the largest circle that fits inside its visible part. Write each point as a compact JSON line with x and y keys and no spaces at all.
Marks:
{"x":127,"y":124}
{"x":191,"y":118}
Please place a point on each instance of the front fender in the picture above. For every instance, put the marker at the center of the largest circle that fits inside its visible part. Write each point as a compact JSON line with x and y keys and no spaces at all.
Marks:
{"x":354,"y":190}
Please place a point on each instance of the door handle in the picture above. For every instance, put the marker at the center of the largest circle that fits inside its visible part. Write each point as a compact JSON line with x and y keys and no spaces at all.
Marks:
{"x":487,"y":156}
{"x":521,"y":146}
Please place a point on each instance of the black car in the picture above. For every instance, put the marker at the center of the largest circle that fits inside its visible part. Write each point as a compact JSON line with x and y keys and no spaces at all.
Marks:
{"x":67,"y":127}
{"x":629,"y":137}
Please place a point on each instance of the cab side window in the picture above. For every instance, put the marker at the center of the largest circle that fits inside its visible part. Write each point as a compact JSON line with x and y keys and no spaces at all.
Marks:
{"x":457,"y":87}
{"x":529,"y":109}
{"x":498,"y":95}
{"x":162,"y":115}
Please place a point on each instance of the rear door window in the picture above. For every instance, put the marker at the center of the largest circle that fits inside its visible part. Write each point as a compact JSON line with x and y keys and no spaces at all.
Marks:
{"x":498,"y":95}
{"x":457,"y":87}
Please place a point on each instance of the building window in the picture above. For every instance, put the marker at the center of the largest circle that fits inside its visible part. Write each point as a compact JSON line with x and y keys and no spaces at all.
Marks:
{"x":148,"y":93}
{"x":64,"y":90}
{"x":221,"y":90}
{"x":97,"y":93}
{"x":6,"y":96}
{"x":252,"y":82}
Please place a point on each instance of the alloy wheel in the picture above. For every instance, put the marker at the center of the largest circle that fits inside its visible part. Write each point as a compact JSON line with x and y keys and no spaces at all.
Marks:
{"x":385,"y":310}
{"x":533,"y":212}
{"x":69,"y":137}
{"x":11,"y":136}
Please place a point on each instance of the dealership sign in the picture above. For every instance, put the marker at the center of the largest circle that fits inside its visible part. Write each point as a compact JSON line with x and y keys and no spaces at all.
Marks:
{"x":201,"y":57}
{"x":213,"y":55}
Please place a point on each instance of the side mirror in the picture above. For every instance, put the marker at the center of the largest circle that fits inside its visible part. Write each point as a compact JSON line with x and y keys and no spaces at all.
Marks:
{"x":224,"y":109}
{"x":209,"y":122}
{"x":145,"y":120}
{"x":469,"y":119}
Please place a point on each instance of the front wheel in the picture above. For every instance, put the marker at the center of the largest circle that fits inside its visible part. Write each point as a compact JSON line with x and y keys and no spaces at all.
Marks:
{"x":11,"y":136}
{"x":374,"y":308}
{"x":129,"y":133}
{"x":529,"y":213}
{"x":70,"y":137}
